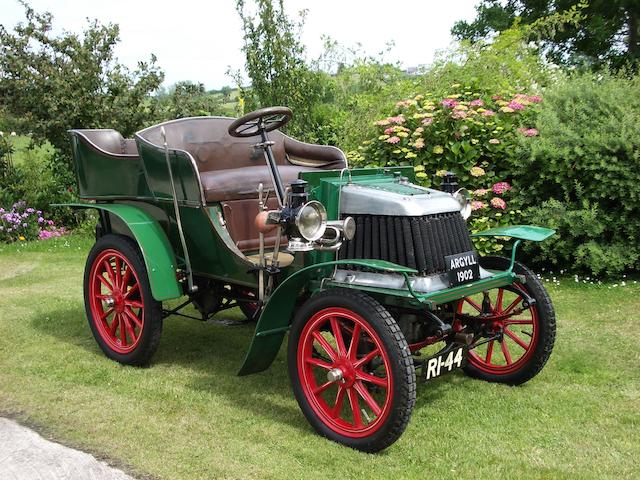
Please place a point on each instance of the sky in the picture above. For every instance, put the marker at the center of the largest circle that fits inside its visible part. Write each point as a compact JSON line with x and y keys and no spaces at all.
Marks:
{"x":199,"y":41}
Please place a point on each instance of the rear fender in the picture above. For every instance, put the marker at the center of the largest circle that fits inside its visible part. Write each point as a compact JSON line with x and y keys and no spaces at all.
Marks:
{"x":275,"y":319}
{"x":156,"y":250}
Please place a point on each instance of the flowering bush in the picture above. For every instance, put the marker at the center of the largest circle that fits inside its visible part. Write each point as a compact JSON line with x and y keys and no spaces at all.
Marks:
{"x":25,"y":223}
{"x":476,"y":135}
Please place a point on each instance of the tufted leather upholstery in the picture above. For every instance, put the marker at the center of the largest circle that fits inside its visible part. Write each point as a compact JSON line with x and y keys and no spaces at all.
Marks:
{"x":231,"y":168}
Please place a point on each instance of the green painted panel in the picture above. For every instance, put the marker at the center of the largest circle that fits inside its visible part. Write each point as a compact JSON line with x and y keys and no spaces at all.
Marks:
{"x":156,"y":249}
{"x":184,"y":171}
{"x":106,"y":176}
{"x":522,"y":232}
{"x":276,"y":316}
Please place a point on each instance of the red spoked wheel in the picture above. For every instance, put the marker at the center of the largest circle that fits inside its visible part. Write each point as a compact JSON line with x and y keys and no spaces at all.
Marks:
{"x":124,"y":318}
{"x":514,"y":327}
{"x":351,"y":370}
{"x":117,"y":304}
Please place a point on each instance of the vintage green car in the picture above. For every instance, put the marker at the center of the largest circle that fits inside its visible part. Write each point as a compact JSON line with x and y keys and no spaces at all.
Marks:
{"x":363,"y":268}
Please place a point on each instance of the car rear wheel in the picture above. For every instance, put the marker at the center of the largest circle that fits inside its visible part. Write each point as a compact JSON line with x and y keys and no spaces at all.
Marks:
{"x":515,"y":327}
{"x":125,"y":319}
{"x":351,"y":370}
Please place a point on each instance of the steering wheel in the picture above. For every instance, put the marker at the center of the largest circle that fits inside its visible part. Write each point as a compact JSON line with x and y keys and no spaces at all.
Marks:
{"x":265,"y":119}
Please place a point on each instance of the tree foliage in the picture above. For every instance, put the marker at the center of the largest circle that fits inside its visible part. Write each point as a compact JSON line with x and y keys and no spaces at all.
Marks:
{"x":276,"y":65}
{"x":608,"y":31}
{"x":188,"y":99}
{"x":69,"y":81}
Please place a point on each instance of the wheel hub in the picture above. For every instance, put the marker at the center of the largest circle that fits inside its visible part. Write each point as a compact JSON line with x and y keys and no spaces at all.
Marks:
{"x":334,"y":375}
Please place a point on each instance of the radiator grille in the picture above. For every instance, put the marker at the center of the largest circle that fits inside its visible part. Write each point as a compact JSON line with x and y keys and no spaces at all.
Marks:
{"x":416,"y":242}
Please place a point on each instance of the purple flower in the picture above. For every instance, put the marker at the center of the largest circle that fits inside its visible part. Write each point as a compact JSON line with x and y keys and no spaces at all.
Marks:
{"x":40,"y":219}
{"x":50,"y":222}
{"x":535,"y":99}
{"x":25,"y":225}
{"x":30,"y":210}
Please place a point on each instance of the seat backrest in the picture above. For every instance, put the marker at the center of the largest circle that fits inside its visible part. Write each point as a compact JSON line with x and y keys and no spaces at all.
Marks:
{"x":208,"y":141}
{"x":109,"y":141}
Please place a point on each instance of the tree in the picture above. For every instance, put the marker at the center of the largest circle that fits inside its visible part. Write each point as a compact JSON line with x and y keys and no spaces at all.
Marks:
{"x":56,"y":83}
{"x":608,"y":32}
{"x":276,"y":66}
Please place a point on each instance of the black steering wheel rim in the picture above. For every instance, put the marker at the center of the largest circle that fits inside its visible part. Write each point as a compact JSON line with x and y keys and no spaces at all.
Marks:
{"x":264,"y":119}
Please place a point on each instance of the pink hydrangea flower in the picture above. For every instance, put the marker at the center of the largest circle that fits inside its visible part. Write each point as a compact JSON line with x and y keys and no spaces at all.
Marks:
{"x":498,"y":203}
{"x":476,"y":103}
{"x":488,"y":113}
{"x":459,"y":114}
{"x":397,"y":119}
{"x":535,"y":99}
{"x":496,"y":97}
{"x":481,"y":192}
{"x":515,"y":105}
{"x":449,"y":102}
{"x":478,"y":205}
{"x":382,"y":122}
{"x":427,"y":121}
{"x":419,"y":143}
{"x":529,"y":132}
{"x":393,"y":139}
{"x":501,"y":187}
{"x":388,"y":131}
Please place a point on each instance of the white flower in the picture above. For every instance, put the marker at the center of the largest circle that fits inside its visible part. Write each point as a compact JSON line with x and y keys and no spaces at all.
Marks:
{"x":1,"y":133}
{"x":13,"y":134}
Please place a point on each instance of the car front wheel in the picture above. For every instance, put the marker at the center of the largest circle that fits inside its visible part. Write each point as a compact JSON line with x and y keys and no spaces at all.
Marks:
{"x":351,"y":370}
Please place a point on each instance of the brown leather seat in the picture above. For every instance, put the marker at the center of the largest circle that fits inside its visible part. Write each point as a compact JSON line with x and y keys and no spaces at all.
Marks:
{"x":231,"y":168}
{"x":241,"y":183}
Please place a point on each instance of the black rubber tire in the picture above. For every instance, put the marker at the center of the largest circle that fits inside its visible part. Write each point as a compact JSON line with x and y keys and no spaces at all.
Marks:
{"x":402,"y":366}
{"x":546,"y":320}
{"x":152,"y":330}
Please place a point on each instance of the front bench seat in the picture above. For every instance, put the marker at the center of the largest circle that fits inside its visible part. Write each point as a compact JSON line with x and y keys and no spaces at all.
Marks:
{"x":231,"y":169}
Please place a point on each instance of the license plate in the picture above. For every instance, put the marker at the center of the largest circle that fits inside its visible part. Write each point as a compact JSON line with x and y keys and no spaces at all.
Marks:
{"x":445,"y":362}
{"x":462,"y":268}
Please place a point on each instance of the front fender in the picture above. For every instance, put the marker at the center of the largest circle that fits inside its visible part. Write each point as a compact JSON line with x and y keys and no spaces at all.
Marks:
{"x":275,"y":318}
{"x":520,"y":232}
{"x":153,"y":242}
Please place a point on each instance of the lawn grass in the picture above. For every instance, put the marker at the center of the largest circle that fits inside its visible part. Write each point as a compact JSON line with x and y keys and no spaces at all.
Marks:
{"x":24,"y":150}
{"x":189,"y":416}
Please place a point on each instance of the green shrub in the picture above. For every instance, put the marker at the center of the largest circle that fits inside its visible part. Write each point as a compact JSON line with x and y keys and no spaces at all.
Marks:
{"x":33,"y":181}
{"x":586,"y":159}
{"x":473,"y":134}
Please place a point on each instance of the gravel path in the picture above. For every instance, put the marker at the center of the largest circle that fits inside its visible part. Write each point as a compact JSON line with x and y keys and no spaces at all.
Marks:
{"x":25,"y":455}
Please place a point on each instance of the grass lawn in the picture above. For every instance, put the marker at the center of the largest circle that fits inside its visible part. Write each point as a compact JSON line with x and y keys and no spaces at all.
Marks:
{"x":189,"y":416}
{"x":25,"y":151}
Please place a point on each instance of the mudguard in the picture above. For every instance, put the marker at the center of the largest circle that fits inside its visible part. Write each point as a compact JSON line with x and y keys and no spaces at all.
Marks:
{"x":153,"y":242}
{"x":519,"y":232}
{"x":275,"y":319}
